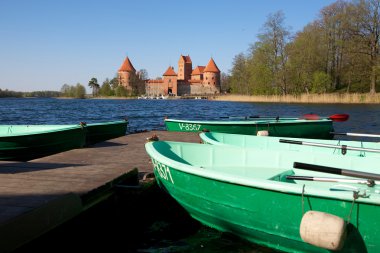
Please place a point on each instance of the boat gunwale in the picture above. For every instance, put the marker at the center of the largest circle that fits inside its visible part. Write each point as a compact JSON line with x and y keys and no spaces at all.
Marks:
{"x":120,"y":122}
{"x":248,"y":122}
{"x":59,"y":128}
{"x":278,"y":186}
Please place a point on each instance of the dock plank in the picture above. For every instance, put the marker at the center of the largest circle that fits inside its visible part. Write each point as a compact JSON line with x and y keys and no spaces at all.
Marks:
{"x":45,"y":186}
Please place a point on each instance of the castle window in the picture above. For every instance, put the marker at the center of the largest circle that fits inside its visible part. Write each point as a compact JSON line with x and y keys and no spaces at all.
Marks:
{"x":214,"y":82}
{"x":170,"y":80}
{"x":212,"y":78}
{"x":206,"y":78}
{"x":208,"y":82}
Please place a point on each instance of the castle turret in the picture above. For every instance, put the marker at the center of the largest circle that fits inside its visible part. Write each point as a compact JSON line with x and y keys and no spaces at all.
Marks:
{"x":211,"y":75}
{"x":185,"y":67}
{"x":125,"y":72}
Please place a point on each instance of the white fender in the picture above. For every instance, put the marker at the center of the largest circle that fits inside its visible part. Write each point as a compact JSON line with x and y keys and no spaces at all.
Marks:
{"x":323,"y":230}
{"x":263,"y":133}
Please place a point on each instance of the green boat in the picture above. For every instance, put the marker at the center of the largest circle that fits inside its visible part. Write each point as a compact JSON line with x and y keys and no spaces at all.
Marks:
{"x":286,"y":127}
{"x":98,"y":132}
{"x":337,"y":147}
{"x":273,"y":198}
{"x":27,"y":142}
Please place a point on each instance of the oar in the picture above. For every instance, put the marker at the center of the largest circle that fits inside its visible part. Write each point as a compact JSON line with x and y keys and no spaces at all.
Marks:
{"x":342,"y":147}
{"x":336,"y":171}
{"x":369,"y":182}
{"x":357,"y":134}
{"x":334,"y":117}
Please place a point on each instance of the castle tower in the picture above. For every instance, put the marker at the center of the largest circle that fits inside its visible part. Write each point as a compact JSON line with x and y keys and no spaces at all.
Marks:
{"x":211,"y":75}
{"x":170,"y":81}
{"x":185,"y":66}
{"x":125,"y":72}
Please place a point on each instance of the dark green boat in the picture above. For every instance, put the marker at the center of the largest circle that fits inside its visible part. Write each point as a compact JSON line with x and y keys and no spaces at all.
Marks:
{"x":98,"y":132}
{"x":27,"y":142}
{"x":287,"y":127}
{"x":274,"y":198}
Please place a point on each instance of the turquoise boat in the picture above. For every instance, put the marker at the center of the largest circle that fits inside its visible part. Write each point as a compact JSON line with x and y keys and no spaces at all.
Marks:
{"x":27,"y":142}
{"x":337,"y":147}
{"x":274,"y":198}
{"x":102,"y":131}
{"x":286,"y":127}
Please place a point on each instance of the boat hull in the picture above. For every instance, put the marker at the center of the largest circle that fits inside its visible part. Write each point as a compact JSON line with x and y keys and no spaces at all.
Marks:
{"x":99,"y":132}
{"x":40,"y":142}
{"x":268,"y":216}
{"x":317,"y":129}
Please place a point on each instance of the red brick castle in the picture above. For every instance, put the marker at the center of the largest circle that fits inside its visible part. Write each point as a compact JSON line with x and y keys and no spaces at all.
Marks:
{"x":203,"y":80}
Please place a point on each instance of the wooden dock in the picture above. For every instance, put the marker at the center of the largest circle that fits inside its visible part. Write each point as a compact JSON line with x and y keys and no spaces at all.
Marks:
{"x":39,"y":195}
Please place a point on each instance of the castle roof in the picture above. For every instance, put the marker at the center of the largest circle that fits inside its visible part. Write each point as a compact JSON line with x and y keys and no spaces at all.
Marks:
{"x":170,"y":72}
{"x":198,"y":70}
{"x":211,"y":67}
{"x":127,"y":66}
{"x":186,"y":59}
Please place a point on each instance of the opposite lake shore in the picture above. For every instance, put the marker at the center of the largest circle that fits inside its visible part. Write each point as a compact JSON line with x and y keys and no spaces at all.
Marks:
{"x":342,"y":98}
{"x":328,"y":98}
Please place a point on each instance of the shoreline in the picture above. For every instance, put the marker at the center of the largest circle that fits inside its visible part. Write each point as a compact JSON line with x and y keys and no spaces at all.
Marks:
{"x":330,"y":98}
{"x":334,"y":98}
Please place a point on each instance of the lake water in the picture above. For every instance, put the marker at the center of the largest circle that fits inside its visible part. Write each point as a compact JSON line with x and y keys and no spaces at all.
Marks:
{"x":149,"y":114}
{"x":188,"y":235}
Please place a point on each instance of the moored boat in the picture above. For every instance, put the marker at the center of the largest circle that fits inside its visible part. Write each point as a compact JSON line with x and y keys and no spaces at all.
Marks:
{"x":255,"y":194}
{"x":337,"y":147}
{"x":102,"y":131}
{"x":286,"y":127}
{"x":27,"y":142}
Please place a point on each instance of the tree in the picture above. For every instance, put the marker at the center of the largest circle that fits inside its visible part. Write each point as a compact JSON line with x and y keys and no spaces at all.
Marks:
{"x":307,"y":54}
{"x":260,"y":76}
{"x":80,"y":91}
{"x":225,"y":83}
{"x":273,"y":43}
{"x":65,"y":90}
{"x":239,"y":75}
{"x":334,"y":36}
{"x":106,"y":90}
{"x":93,"y":83}
{"x":120,"y":91}
{"x":137,"y":82}
{"x":321,"y":82}
{"x":364,"y":26}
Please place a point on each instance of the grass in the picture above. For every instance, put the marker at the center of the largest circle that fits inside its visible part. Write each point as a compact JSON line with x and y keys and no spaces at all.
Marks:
{"x":331,"y":98}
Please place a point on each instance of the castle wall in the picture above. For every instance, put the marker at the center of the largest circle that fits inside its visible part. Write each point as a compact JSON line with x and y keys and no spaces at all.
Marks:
{"x":155,"y":88}
{"x":196,"y":89}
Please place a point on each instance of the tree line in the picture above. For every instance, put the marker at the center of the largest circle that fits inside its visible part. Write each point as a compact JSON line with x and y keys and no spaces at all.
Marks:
{"x":337,"y":52}
{"x":18,"y":94}
{"x":112,"y":87}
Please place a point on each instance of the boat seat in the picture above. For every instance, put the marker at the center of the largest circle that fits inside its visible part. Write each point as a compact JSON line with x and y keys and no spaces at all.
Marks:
{"x":253,"y":172}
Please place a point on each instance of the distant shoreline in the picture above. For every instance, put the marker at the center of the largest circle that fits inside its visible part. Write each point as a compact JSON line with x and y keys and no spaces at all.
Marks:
{"x":344,"y":98}
{"x":330,"y":98}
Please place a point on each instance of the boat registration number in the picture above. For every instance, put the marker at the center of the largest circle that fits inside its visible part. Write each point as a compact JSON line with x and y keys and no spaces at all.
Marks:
{"x":189,"y":127}
{"x":163,"y":171}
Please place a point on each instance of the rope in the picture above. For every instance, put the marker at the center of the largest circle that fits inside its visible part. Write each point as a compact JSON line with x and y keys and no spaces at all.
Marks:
{"x":355,"y":196}
{"x":303,"y":202}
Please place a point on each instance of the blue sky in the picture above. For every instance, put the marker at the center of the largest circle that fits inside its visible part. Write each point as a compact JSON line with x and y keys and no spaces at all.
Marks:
{"x":45,"y":44}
